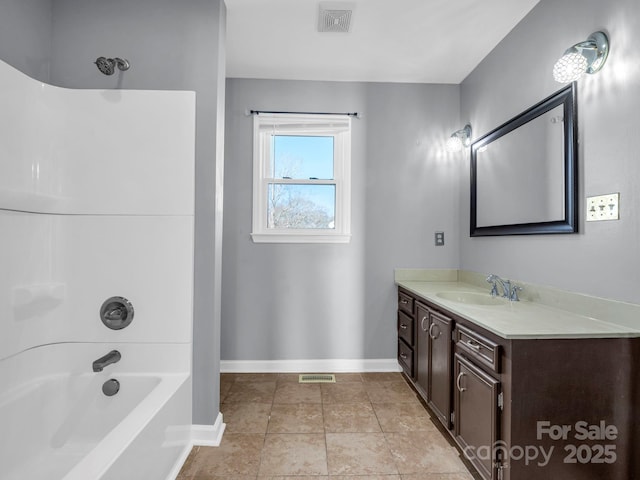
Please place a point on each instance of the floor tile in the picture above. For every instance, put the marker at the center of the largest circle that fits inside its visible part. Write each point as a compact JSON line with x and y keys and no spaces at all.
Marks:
{"x":190,"y":466}
{"x":288,"y":377}
{"x":348,"y":377}
{"x":424,"y":452}
{"x":350,"y":418}
{"x":238,"y":454}
{"x":296,"y":418}
{"x":365,"y":477}
{"x":295,"y":477}
{"x":348,"y":392}
{"x":297,"y":393}
{"x":382,"y":377}
{"x":241,"y":417}
{"x":390,"y":392}
{"x":251,"y":392}
{"x":403,"y":417}
{"x":359,"y":454}
{"x":294,"y":454}
{"x":438,"y":476}
{"x":256,"y":377}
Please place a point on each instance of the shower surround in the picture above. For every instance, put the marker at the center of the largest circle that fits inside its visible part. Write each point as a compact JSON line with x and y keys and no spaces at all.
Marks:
{"x":96,"y":201}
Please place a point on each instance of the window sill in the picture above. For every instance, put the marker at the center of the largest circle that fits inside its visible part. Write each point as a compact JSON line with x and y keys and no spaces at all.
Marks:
{"x":300,"y":238}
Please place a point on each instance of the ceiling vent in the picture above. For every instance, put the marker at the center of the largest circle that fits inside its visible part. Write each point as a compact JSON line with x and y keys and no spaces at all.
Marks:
{"x":334,"y":17}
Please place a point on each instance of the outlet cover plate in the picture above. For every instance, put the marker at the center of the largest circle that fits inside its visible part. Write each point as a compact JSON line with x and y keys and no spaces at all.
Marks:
{"x":439,"y":239}
{"x":603,"y":207}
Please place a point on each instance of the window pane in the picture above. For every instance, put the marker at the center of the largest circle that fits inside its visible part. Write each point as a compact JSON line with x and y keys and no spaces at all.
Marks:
{"x":301,"y":206}
{"x":297,"y":156}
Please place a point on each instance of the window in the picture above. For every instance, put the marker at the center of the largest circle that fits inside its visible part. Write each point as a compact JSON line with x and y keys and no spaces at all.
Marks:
{"x":301,"y":178}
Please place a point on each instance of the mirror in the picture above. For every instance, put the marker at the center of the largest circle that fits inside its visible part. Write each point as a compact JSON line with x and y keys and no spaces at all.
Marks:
{"x":523,"y":173}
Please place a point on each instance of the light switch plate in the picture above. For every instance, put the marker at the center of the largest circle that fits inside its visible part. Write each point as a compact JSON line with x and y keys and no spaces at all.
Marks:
{"x":603,"y":207}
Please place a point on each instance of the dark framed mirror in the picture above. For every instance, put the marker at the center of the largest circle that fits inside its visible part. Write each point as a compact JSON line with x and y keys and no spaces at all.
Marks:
{"x":524,"y":173}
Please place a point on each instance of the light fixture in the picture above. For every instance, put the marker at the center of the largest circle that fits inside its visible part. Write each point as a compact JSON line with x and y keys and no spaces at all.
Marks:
{"x":584,"y":57}
{"x":459,"y":139}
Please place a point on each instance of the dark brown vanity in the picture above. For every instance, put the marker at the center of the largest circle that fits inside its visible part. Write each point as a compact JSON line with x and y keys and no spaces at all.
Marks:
{"x":525,"y":408}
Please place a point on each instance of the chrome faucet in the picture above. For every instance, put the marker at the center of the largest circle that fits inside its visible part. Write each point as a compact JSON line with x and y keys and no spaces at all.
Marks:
{"x":508,"y":291}
{"x":112,"y":357}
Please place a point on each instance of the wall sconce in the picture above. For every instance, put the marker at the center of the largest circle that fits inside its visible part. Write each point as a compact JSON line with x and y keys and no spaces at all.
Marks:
{"x":459,"y":139}
{"x":584,"y":57}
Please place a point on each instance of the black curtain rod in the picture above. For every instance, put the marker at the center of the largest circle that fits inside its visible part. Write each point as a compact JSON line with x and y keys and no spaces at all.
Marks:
{"x":348,"y":114}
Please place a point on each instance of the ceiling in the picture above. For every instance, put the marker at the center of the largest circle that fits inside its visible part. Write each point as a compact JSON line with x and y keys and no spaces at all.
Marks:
{"x":422,"y":41}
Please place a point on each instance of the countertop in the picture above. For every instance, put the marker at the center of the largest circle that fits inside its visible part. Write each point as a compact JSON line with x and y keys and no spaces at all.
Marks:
{"x":521,"y":320}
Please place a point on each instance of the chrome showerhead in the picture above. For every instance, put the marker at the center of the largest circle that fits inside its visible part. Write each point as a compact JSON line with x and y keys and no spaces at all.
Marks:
{"x":108,"y":65}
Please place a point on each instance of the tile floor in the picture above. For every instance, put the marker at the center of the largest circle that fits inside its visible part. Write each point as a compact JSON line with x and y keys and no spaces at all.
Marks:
{"x":365,"y":425}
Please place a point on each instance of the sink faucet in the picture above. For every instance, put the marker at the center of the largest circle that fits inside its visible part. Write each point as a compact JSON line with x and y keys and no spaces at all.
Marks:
{"x":112,"y":357}
{"x":508,"y":291}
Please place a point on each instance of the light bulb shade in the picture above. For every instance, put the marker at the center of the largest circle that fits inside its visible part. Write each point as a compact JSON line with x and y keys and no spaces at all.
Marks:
{"x":584,"y":57}
{"x":570,"y":67}
{"x":454,"y":143}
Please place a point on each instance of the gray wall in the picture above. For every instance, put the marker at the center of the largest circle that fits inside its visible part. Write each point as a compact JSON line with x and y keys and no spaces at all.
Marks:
{"x":314,"y":301}
{"x":604,"y":259}
{"x":171,"y":46}
{"x":25,"y":36}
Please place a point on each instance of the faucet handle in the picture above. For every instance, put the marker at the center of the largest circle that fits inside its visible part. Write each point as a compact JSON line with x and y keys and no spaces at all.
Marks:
{"x":514,"y":293}
{"x":494,"y":290}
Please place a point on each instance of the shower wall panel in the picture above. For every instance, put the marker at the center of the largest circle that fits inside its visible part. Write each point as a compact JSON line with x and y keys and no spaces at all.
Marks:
{"x":96,"y":200}
{"x":114,"y":152}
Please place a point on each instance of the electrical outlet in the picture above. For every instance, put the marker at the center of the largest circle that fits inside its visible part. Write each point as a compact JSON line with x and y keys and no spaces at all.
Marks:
{"x":603,"y":207}
{"x":439,"y":239}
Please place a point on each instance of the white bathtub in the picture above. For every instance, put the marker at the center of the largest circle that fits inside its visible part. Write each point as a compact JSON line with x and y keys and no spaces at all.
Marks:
{"x":57,"y":423}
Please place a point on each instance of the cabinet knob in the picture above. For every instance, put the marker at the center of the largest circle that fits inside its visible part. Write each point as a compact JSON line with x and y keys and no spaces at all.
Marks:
{"x":458,"y":380}
{"x":433,"y":337}
{"x":472,"y":344}
{"x":422,"y":324}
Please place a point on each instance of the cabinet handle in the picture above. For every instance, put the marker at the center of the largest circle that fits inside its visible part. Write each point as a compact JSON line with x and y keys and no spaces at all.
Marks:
{"x":433,"y":337}
{"x":403,"y":356}
{"x":403,"y":326}
{"x":404,"y":302}
{"x":460,"y":388}
{"x":472,"y":344}
{"x":422,"y":324}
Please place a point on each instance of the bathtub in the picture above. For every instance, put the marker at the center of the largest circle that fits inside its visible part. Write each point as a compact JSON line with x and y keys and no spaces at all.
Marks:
{"x":57,"y":423}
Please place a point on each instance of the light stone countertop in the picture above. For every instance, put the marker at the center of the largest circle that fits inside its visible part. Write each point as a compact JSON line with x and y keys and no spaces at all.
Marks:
{"x":542,"y":312}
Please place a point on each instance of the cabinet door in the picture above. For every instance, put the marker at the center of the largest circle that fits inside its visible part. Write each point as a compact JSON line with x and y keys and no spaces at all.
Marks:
{"x":422,"y":357}
{"x":439,"y":394}
{"x":476,"y":414}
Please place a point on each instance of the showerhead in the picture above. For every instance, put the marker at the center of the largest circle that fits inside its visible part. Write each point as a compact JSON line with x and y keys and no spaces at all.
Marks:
{"x":108,"y":65}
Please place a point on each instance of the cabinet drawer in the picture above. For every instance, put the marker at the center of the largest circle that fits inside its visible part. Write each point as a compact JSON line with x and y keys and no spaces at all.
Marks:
{"x":405,"y":303}
{"x":405,"y":357}
{"x":406,"y":328}
{"x":477,"y":347}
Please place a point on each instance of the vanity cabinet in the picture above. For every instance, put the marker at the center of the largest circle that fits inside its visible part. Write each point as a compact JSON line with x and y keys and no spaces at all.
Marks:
{"x":422,"y":355}
{"x":477,"y":398}
{"x":433,"y":361}
{"x":406,"y":333}
{"x":508,"y":397}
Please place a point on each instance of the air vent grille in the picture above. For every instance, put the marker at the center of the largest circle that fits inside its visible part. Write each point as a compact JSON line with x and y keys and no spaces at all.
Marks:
{"x":334,"y":20}
{"x":317,"y":378}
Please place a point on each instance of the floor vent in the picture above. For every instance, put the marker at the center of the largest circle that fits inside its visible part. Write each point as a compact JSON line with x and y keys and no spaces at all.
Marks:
{"x":315,"y":378}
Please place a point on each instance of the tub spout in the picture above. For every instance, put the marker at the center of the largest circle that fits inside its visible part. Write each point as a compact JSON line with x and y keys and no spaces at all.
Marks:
{"x":112,"y":357}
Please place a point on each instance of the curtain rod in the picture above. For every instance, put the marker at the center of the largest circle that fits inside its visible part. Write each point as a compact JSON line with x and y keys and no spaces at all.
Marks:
{"x":348,"y":114}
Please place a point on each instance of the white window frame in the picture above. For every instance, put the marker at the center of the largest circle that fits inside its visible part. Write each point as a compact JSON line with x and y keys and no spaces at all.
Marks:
{"x":266,"y":125}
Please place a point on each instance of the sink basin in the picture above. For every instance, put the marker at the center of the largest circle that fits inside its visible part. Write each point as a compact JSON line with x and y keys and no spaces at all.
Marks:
{"x":471,"y":298}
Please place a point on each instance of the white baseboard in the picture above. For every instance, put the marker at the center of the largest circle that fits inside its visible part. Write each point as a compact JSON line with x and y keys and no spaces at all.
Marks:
{"x":310,"y":366}
{"x":208,"y":435}
{"x":203,"y":436}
